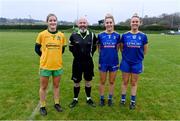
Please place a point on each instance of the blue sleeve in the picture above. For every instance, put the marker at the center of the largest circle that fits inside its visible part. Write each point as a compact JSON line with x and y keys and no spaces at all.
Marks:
{"x":145,"y":40}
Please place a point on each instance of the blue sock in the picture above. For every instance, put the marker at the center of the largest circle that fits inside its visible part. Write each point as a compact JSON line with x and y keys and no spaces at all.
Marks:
{"x":133,"y":99}
{"x":102,"y":97}
{"x":110,"y":97}
{"x":123,"y":97}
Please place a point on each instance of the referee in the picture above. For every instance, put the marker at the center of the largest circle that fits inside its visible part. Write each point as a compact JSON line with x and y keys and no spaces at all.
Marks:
{"x":82,"y":46}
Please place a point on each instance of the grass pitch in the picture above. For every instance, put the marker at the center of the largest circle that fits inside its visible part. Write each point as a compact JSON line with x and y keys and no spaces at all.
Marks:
{"x":158,"y":95}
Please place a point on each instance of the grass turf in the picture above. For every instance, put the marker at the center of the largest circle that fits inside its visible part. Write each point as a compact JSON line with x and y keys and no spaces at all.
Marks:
{"x":158,"y":94}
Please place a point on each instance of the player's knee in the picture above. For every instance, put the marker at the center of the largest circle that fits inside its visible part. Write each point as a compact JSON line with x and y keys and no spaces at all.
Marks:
{"x":125,"y":83}
{"x":133,"y":83}
{"x":76,"y":84}
{"x":111,"y":82}
{"x":43,"y":88}
{"x":88,"y":84}
{"x":102,"y":82}
{"x":56,"y":85}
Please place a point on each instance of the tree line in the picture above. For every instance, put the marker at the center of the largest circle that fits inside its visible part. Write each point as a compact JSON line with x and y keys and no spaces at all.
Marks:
{"x":162,"y":22}
{"x":169,"y":21}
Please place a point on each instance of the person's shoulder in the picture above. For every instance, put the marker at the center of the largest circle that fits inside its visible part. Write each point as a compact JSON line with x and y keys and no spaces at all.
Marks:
{"x":91,"y":32}
{"x":60,"y":33}
{"x":101,"y":33}
{"x":74,"y":33}
{"x":142,"y":33}
{"x":115,"y":32}
{"x":126,"y":33}
{"x":43,"y":32}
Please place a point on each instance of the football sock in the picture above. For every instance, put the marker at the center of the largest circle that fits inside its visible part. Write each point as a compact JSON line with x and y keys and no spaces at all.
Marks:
{"x":76,"y":92}
{"x":88,"y":91}
{"x":123,"y":97}
{"x":56,"y":101}
{"x":88,"y":98}
{"x":110,"y":97}
{"x":102,"y":97}
{"x":133,"y":99}
{"x":43,"y":104}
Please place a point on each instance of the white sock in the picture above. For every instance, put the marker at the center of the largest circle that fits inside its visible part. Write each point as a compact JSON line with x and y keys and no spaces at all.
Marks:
{"x":75,"y":99}
{"x":88,"y":98}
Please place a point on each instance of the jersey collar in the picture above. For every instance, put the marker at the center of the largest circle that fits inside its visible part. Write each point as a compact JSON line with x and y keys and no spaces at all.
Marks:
{"x":87,"y":33}
{"x":53,"y":32}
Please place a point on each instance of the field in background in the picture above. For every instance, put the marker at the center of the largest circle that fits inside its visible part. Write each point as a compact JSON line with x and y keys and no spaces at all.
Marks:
{"x":158,"y":90}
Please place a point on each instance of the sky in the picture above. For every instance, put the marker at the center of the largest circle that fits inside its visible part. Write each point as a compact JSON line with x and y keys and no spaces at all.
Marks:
{"x":93,"y":10}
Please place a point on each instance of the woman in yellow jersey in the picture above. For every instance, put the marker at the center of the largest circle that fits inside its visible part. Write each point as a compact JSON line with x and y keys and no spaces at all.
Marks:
{"x":50,"y":45}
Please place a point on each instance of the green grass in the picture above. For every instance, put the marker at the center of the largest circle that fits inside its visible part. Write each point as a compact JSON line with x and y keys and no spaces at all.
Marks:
{"x":158,"y":95}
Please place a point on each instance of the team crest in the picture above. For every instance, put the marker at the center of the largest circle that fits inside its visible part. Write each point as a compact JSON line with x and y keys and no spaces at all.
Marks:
{"x":134,"y":36}
{"x":58,"y":38}
{"x":139,"y":37}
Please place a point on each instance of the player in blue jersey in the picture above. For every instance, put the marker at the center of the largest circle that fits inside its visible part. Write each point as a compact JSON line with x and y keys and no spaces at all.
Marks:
{"x":133,"y":46}
{"x":108,"y":44}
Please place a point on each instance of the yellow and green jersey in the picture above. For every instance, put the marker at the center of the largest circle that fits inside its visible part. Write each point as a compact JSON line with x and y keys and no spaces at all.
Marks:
{"x":51,"y":48}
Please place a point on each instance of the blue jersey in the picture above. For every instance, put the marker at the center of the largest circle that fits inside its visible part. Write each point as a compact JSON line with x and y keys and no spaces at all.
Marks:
{"x":108,"y":48}
{"x":133,"y":47}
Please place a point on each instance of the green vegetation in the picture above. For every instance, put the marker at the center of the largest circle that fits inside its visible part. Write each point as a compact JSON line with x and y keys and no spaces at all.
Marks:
{"x":158,"y":90}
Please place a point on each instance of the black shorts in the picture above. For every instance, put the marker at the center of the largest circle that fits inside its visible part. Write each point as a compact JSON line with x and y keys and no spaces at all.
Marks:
{"x":85,"y":68}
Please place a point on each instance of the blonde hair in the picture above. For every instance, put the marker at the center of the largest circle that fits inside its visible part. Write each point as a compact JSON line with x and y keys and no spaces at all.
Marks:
{"x":109,"y":16}
{"x":135,"y":15}
{"x":49,"y":15}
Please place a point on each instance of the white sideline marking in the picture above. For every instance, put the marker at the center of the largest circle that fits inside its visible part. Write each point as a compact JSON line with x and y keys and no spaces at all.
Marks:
{"x":31,"y":117}
{"x":34,"y":112}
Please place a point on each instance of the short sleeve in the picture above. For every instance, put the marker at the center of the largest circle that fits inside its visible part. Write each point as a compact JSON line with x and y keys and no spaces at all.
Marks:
{"x":118,"y":39}
{"x":145,"y":40}
{"x":99,"y":40}
{"x":39,"y":39}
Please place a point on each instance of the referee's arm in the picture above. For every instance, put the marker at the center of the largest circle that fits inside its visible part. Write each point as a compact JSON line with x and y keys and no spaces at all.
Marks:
{"x":94,"y":44}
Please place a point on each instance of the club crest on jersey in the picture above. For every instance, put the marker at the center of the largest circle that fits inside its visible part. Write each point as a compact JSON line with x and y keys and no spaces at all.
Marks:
{"x":58,"y":38}
{"x":139,"y":37}
{"x":134,"y":36}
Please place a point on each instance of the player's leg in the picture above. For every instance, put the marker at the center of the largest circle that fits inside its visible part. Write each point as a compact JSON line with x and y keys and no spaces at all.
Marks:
{"x":112,"y":77}
{"x":102,"y":81}
{"x":136,"y":70}
{"x":56,"y":80}
{"x":134,"y":81}
{"x":76,"y":77}
{"x":88,"y":69}
{"x":124,"y":85}
{"x":56,"y":84}
{"x":126,"y":75}
{"x":42,"y":94}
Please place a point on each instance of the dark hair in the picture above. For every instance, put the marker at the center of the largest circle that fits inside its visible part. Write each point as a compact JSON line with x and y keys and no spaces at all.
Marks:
{"x":51,"y":14}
